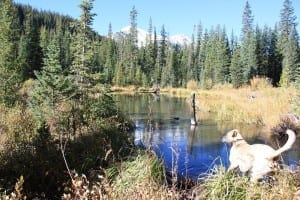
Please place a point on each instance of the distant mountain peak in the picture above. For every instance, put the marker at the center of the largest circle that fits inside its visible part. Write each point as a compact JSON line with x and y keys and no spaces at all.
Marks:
{"x":179,"y":39}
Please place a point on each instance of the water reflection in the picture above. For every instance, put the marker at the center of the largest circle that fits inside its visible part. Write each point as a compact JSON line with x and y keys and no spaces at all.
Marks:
{"x":163,"y":124}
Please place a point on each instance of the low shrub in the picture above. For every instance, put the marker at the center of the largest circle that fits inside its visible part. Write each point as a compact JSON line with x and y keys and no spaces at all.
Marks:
{"x":260,"y":83}
{"x":192,"y":85}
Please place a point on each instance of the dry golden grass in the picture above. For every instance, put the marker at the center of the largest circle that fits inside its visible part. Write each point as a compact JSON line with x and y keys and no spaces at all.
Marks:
{"x":120,"y":89}
{"x":179,"y":92}
{"x":192,"y":85}
{"x":261,"y":106}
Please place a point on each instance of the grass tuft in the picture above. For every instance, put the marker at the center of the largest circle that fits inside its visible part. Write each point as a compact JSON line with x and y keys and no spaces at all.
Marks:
{"x":141,"y":178}
{"x":221,"y":184}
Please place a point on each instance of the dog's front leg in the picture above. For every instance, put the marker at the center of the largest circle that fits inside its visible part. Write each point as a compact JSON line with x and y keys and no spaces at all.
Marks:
{"x":232,"y":166}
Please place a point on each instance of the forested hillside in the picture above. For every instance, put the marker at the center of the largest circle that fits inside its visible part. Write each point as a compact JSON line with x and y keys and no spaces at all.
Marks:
{"x":212,"y":58}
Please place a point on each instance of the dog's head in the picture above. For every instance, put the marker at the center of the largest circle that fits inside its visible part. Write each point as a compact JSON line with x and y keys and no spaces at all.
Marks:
{"x":232,"y":136}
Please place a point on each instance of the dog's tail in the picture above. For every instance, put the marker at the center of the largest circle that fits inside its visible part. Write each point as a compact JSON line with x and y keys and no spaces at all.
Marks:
{"x":289,"y":125}
{"x":288,"y":145}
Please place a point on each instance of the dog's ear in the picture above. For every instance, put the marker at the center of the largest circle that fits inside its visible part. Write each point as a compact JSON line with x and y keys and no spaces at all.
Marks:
{"x":234,"y":133}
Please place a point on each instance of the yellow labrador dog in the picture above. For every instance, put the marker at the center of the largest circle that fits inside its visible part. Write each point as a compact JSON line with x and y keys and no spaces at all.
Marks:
{"x":257,"y":159}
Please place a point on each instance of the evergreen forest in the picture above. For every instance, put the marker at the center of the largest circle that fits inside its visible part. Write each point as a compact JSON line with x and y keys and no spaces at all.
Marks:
{"x":212,"y":58}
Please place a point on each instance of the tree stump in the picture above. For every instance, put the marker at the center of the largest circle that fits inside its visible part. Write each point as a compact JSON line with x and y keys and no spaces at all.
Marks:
{"x":193,"y":110}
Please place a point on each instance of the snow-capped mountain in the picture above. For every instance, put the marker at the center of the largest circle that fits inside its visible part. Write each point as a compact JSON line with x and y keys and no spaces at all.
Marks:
{"x":180,"y":39}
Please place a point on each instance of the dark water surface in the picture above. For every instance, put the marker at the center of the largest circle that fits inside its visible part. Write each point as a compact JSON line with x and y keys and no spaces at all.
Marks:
{"x":163,"y":123}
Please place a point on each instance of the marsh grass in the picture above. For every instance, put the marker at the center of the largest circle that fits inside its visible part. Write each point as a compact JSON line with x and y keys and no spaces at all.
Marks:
{"x":128,"y":89}
{"x":220,"y":184}
{"x":258,"y":103}
{"x":245,"y":105}
{"x":141,"y":178}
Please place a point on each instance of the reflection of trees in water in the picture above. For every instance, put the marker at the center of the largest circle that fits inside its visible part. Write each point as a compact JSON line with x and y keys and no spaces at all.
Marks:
{"x":191,"y":139}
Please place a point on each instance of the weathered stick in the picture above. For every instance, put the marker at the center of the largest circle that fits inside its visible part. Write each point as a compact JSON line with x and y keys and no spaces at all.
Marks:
{"x":193,"y":110}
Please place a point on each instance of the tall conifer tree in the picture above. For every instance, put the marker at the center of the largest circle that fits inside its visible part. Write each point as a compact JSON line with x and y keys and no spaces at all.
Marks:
{"x":248,"y":49}
{"x":30,"y":48}
{"x":289,"y":45}
{"x":53,"y":87}
{"x":82,"y":47}
{"x":9,"y":73}
{"x":161,"y":56}
{"x":236,"y":66}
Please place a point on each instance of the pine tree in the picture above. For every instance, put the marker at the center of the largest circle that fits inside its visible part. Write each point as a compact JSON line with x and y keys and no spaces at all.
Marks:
{"x":191,"y":71}
{"x":175,"y":72}
{"x":119,"y":78}
{"x":149,"y":35}
{"x":289,"y":45}
{"x":133,"y":46}
{"x":44,"y":41}
{"x":82,"y":48}
{"x":222,"y":57}
{"x":202,"y":57}
{"x":183,"y":68}
{"x":128,"y":50}
{"x":30,"y":49}
{"x":150,"y":55}
{"x":110,"y":61}
{"x":107,"y":57}
{"x":248,"y":49}
{"x":262,"y":51}
{"x":161,"y":55}
{"x":287,"y":22}
{"x":236,"y":66}
{"x":274,"y":58}
{"x":247,"y":21}
{"x":63,"y":34}
{"x":208,"y":73}
{"x":171,"y":73}
{"x":290,"y":62}
{"x":10,"y":78}
{"x":198,"y":52}
{"x":154,"y":54}
{"x":53,"y":87}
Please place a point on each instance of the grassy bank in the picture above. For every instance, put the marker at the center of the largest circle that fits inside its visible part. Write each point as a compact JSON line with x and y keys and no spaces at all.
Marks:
{"x":143,"y":177}
{"x":224,"y":185}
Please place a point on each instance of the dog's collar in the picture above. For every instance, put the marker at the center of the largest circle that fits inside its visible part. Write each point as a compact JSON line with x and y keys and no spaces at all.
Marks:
{"x":237,"y":141}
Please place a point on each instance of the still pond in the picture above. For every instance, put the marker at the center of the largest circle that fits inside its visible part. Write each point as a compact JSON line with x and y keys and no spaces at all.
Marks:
{"x":163,"y":124}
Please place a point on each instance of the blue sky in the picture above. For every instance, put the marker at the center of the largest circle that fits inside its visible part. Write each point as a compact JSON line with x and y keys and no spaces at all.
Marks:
{"x":178,"y":16}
